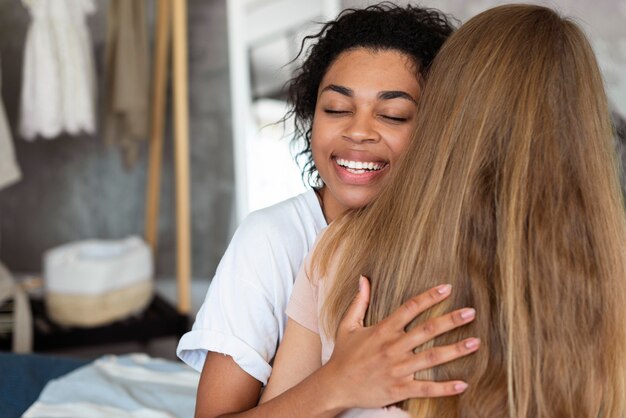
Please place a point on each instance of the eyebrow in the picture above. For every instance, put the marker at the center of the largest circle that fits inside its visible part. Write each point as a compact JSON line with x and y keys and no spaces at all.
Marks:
{"x":383,"y":95}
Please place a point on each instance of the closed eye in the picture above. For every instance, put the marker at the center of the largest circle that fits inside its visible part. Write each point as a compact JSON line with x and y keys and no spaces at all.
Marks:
{"x":395,"y":118}
{"x":336,"y":112}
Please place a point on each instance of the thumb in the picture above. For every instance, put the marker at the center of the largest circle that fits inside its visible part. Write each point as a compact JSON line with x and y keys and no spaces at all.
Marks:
{"x":355,"y":314}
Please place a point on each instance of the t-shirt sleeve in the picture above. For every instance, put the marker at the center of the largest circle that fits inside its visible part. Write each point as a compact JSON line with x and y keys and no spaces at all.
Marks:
{"x":302,"y":306}
{"x":239,"y":316}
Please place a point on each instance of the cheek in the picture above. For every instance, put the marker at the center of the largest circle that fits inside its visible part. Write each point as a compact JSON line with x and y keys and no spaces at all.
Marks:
{"x":320,"y":135}
{"x":318,"y":147}
{"x":315,"y":141}
{"x":316,"y":127}
{"x":400,"y":142}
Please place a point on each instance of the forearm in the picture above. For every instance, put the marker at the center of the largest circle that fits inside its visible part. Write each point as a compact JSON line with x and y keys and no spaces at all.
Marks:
{"x":314,"y":397}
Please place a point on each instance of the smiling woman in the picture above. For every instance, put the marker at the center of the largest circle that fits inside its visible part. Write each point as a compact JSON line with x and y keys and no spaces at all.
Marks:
{"x":353,"y":102}
{"x":364,"y":119}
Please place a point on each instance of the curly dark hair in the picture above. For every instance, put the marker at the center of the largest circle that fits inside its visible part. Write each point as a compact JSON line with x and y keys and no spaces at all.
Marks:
{"x":417,"y":32}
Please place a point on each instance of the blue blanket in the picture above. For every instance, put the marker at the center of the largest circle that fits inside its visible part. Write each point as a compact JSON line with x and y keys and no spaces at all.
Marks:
{"x":23,"y":377}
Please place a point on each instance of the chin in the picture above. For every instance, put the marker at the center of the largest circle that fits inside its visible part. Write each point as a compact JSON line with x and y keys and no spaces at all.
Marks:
{"x":357,"y":201}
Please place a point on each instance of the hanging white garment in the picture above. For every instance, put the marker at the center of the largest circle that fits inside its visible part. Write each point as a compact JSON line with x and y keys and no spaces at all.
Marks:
{"x":9,"y":170}
{"x":59,"y":89}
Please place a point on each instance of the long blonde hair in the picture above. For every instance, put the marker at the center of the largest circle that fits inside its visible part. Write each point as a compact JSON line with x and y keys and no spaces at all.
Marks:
{"x":510,"y":192}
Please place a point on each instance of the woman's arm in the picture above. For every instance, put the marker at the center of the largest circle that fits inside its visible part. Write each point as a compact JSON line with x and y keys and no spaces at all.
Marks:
{"x":225,"y":388}
{"x":299,"y":356}
{"x":370,"y":366}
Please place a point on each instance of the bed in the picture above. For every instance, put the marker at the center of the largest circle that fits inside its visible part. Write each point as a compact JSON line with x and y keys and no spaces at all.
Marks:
{"x":132,"y":385}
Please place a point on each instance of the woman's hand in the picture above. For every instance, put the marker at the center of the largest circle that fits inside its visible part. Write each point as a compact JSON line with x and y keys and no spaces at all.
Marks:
{"x":375,"y":366}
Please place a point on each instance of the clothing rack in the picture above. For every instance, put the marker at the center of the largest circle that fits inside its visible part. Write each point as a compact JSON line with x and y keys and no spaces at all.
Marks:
{"x":159,"y":319}
{"x":171,"y":13}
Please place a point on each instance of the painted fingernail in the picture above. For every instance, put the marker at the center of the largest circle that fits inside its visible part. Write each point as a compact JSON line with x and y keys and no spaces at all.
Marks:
{"x":472,"y":343}
{"x":468,"y":313}
{"x":444,"y":289}
{"x":460,"y":387}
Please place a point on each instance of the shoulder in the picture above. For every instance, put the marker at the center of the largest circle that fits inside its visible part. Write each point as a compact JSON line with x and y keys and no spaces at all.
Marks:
{"x":299,"y":217}
{"x":270,"y":244}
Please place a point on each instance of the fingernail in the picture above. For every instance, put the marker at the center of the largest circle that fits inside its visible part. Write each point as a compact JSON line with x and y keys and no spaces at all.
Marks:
{"x":460,"y":387}
{"x":472,"y":343}
{"x":468,"y":313}
{"x":361,"y":279}
{"x":444,"y":289}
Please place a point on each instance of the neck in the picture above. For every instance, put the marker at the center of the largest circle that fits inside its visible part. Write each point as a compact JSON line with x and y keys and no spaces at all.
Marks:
{"x":330,"y":207}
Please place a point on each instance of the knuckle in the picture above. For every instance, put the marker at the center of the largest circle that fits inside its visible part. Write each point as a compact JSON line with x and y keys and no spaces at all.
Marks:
{"x":434,"y":295}
{"x":395,"y":372}
{"x":429,"y":328}
{"x":396,"y":391}
{"x":425,"y":390}
{"x":400,"y":371}
{"x":432,"y":357}
{"x":387,"y":351}
{"x":345,"y":330}
{"x":412,"y":306}
{"x":378,"y":332}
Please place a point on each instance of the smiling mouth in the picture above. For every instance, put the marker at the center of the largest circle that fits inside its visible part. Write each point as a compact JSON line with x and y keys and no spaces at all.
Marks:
{"x":360,"y":167}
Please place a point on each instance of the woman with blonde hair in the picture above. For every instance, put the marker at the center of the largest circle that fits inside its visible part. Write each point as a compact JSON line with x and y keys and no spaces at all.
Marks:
{"x":513,"y":197}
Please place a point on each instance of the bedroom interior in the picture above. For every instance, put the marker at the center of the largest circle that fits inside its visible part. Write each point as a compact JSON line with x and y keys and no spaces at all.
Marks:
{"x":161,"y":205}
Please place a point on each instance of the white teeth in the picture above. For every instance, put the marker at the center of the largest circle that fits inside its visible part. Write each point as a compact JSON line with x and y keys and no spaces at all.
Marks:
{"x":359,"y":167}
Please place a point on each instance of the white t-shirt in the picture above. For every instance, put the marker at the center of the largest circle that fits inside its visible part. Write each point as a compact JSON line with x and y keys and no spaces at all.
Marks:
{"x":243,"y":314}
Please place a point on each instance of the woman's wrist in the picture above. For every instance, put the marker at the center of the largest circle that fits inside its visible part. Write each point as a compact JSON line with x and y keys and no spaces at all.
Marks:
{"x":333,"y":391}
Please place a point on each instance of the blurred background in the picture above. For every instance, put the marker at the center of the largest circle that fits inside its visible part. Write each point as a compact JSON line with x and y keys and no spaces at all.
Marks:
{"x":76,"y":187}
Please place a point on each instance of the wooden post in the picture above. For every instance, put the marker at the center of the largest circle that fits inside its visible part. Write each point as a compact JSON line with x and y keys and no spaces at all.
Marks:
{"x":181,"y":149}
{"x":159,"y":94}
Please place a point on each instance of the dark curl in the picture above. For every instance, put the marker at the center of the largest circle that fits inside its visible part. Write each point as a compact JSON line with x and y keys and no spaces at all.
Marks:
{"x":416,"y":32}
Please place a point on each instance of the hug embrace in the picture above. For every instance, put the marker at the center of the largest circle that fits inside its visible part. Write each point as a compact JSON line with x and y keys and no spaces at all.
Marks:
{"x":473,"y":263}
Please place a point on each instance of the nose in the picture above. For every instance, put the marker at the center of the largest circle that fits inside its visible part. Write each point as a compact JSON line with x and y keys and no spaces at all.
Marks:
{"x":361,"y":129}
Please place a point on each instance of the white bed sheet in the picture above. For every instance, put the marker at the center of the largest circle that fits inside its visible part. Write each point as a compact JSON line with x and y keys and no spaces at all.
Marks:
{"x":133,"y":385}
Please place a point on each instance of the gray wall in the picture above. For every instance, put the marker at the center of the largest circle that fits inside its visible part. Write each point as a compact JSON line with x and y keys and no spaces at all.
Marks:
{"x":76,"y":188}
